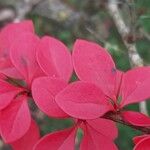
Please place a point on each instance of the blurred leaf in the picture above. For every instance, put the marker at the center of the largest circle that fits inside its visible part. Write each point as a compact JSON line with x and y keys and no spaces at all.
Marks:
{"x":144,"y":49}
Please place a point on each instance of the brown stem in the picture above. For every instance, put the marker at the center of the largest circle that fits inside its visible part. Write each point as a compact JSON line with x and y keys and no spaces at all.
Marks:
{"x":116,"y":117}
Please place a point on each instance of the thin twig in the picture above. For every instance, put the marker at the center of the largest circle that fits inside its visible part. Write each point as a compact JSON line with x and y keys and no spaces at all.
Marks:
{"x":116,"y":117}
{"x":23,"y":7}
{"x":7,"y":13}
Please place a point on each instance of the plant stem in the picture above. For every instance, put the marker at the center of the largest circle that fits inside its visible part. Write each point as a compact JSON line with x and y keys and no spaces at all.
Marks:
{"x":116,"y":117}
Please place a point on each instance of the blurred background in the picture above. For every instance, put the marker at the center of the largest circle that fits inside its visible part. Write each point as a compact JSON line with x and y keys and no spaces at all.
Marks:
{"x":92,"y":20}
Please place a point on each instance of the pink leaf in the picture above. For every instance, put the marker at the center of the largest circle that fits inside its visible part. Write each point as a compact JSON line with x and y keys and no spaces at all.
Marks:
{"x":44,"y":90}
{"x":96,"y":141}
{"x":144,"y":144}
{"x":28,"y":141}
{"x":7,"y":93}
{"x":82,"y":100}
{"x":54,"y":58}
{"x":94,"y":64}
{"x":25,"y":25}
{"x":60,"y":140}
{"x":7,"y":35}
{"x":118,"y":83}
{"x":23,"y":56}
{"x":135,"y":85}
{"x":105,"y":127}
{"x":15,"y":120}
{"x":3,"y":76}
{"x":87,"y":142}
{"x":139,"y":138}
{"x":11,"y":71}
{"x":136,"y":118}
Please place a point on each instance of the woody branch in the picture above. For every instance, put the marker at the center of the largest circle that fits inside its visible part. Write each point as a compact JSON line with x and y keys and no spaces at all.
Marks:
{"x":117,"y":117}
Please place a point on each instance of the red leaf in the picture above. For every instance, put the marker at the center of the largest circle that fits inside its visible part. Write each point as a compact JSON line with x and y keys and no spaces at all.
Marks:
{"x":11,"y":71}
{"x":7,"y":93}
{"x":139,"y":138}
{"x":82,"y":100}
{"x":136,"y":118}
{"x":54,"y":58}
{"x":7,"y":35}
{"x":44,"y":90}
{"x":15,"y":120}
{"x":28,"y":141}
{"x":135,"y":85}
{"x":96,"y":141}
{"x":23,"y":56}
{"x":143,"y":144}
{"x":92,"y":63}
{"x":105,"y":127}
{"x":118,"y":84}
{"x":60,"y":140}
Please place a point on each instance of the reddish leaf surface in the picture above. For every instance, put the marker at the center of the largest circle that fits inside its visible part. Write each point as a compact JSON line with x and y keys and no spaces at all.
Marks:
{"x":139,"y":138}
{"x":60,"y":140}
{"x":105,"y":127}
{"x":15,"y":120}
{"x":23,"y":56}
{"x":44,"y":90}
{"x":11,"y":71}
{"x":93,"y":63}
{"x":7,"y":93}
{"x":83,"y":100}
{"x":54,"y":58}
{"x":28,"y":141}
{"x":135,"y":85}
{"x":118,"y":84}
{"x":7,"y":35}
{"x":144,"y":144}
{"x":136,"y":118}
{"x":95,"y":140}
